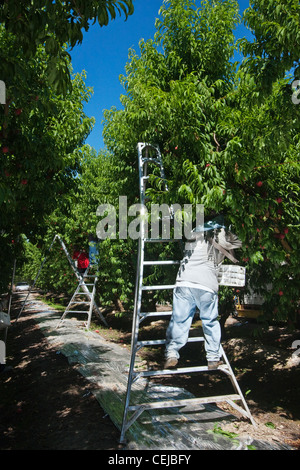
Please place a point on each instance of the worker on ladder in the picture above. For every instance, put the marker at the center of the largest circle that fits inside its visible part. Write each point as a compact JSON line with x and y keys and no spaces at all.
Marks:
{"x":93,"y":250}
{"x":81,"y":260}
{"x":197,"y":287}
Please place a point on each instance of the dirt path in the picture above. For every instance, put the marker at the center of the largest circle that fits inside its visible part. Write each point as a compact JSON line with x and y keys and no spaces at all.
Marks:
{"x":45,"y":404}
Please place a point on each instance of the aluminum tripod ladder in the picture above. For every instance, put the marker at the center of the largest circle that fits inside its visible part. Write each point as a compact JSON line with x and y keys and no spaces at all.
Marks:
{"x":133,"y":411}
{"x":82,"y":290}
{"x":76,"y":272}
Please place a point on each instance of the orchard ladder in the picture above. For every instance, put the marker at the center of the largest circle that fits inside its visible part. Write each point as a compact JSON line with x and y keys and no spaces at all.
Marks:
{"x":83,"y":290}
{"x":76,"y":272}
{"x":133,"y":411}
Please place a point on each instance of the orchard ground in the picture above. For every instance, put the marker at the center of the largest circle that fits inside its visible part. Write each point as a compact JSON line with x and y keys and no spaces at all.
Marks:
{"x":45,"y":404}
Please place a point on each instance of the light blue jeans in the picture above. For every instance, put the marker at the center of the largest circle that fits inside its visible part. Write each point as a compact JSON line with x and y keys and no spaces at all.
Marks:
{"x":185,"y":302}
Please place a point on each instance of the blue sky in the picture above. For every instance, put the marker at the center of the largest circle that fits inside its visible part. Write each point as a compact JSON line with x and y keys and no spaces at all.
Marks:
{"x":103,"y":54}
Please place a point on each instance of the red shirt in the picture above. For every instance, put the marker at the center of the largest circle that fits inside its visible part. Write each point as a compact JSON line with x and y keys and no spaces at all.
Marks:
{"x":82,"y":259}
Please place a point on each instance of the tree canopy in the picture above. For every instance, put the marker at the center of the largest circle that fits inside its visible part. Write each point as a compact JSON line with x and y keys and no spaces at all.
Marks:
{"x":53,"y":25}
{"x":227,"y":141}
{"x":275,"y":49}
{"x":42,"y":122}
{"x":229,"y":137}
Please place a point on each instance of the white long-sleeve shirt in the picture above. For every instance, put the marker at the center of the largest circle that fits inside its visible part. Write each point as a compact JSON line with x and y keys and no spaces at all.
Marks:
{"x":199,"y":266}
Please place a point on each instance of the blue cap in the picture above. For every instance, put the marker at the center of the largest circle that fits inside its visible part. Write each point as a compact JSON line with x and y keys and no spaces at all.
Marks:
{"x":214,"y":224}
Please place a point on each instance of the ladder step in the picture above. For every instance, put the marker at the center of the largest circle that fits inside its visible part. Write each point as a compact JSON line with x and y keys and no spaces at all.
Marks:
{"x":83,"y":293}
{"x":78,"y":311}
{"x":156,"y":314}
{"x":171,"y":286}
{"x":179,"y":370}
{"x":155,"y":342}
{"x":185,"y":402}
{"x":160,"y":240}
{"x":156,"y":160}
{"x":149,"y":263}
{"x":82,"y":302}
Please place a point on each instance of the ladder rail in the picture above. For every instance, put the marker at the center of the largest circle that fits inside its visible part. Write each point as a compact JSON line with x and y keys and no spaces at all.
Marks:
{"x":142,"y":168}
{"x":134,"y":334}
{"x":91,"y":304}
{"x":237,"y":387}
{"x":137,"y":295}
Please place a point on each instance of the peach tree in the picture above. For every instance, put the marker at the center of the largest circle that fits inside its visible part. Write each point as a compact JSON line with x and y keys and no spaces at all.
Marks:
{"x":75,"y":219}
{"x":41,"y":121}
{"x":41,"y":132}
{"x":228,"y":141}
{"x":50,"y":24}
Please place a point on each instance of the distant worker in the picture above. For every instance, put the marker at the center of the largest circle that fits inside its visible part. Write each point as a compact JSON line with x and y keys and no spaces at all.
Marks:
{"x":197,"y":287}
{"x":93,"y":250}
